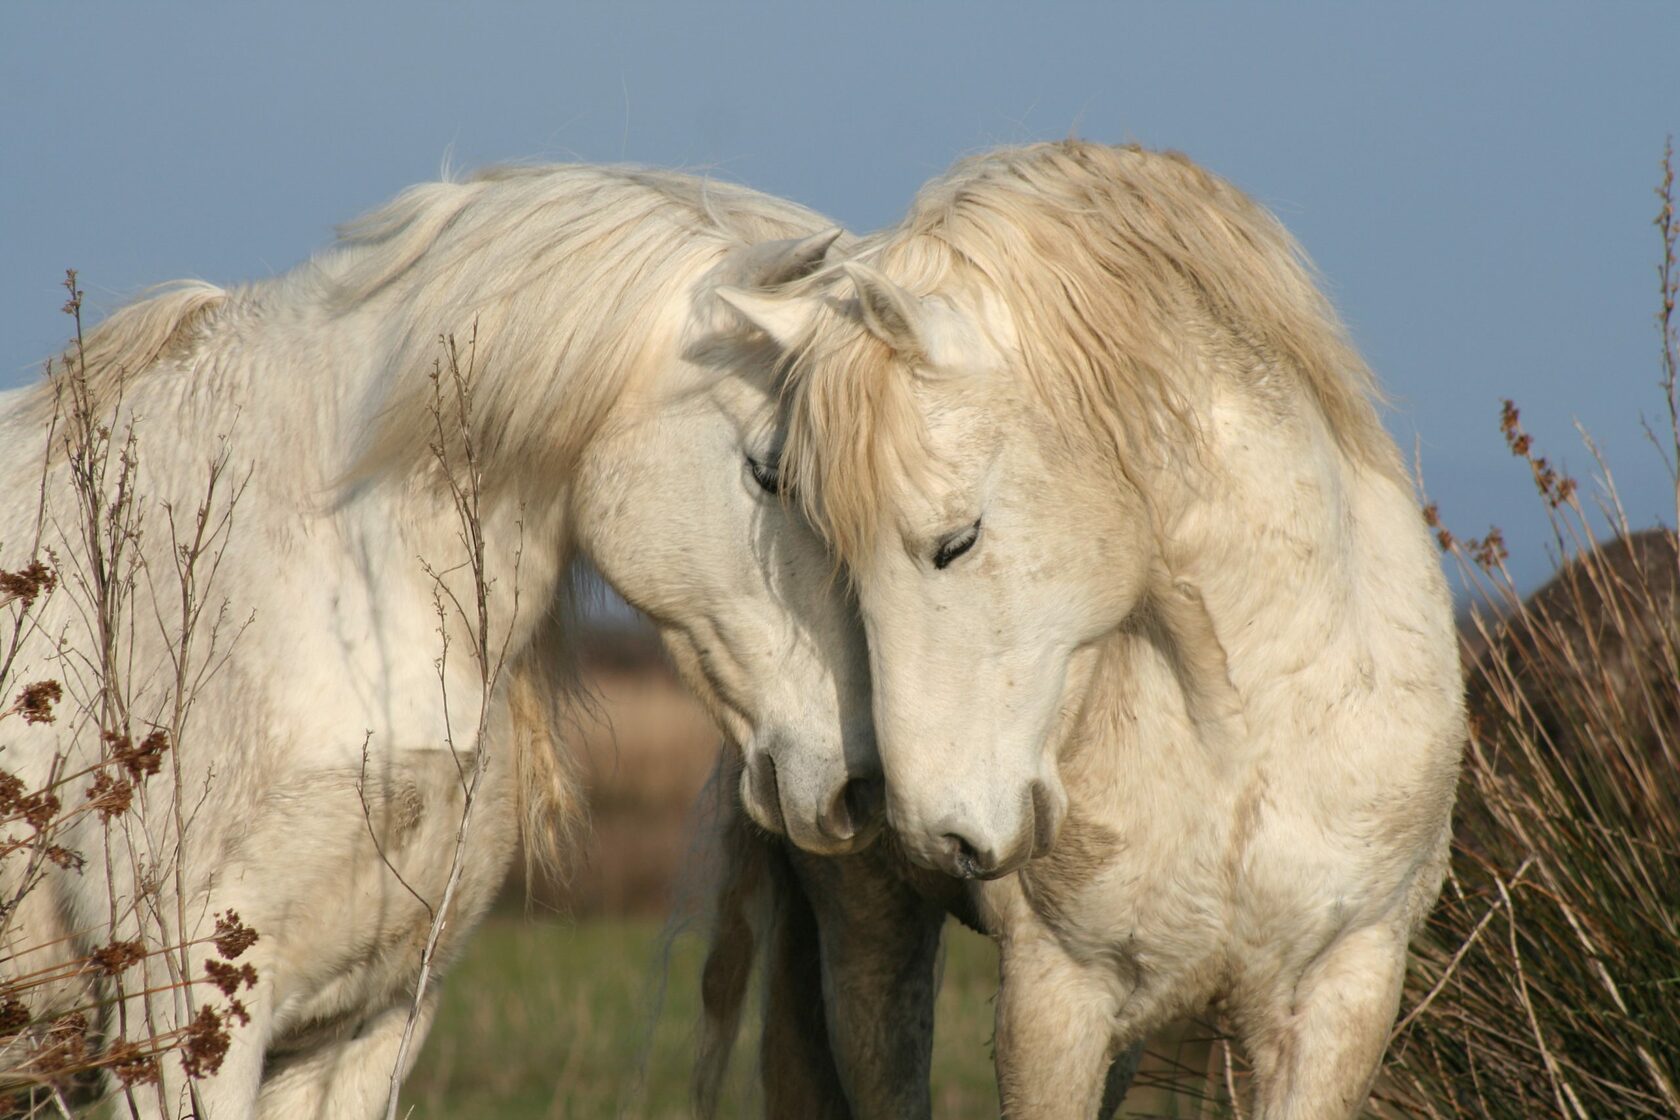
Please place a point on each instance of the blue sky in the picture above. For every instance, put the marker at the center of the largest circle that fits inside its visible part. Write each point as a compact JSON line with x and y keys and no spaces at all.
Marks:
{"x":1475,"y":183}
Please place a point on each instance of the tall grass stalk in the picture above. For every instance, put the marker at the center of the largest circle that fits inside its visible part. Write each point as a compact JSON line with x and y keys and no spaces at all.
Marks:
{"x":1548,"y":984}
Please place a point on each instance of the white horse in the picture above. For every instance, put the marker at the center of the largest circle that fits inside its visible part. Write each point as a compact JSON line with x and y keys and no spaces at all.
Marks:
{"x":315,"y":795}
{"x":1162,"y":657}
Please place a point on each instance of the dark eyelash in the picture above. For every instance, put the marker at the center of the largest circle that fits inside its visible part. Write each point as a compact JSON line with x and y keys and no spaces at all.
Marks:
{"x":767,"y":474}
{"x":956,"y":546}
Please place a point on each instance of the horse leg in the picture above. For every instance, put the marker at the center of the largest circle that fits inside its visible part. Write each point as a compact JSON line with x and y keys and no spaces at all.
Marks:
{"x":1317,"y":1052}
{"x":796,"y":1061}
{"x":880,"y":944}
{"x":345,"y":1078}
{"x":1055,"y":1044}
{"x":1119,"y":1081}
{"x":230,"y":1092}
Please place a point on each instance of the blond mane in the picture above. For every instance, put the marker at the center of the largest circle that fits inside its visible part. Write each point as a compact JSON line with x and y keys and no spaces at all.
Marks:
{"x":128,"y":342}
{"x":1133,"y":279}
{"x":556,"y":269}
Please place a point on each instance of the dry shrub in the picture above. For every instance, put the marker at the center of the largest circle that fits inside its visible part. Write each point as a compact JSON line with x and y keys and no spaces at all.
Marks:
{"x":68,"y":1024}
{"x":1547,"y":983}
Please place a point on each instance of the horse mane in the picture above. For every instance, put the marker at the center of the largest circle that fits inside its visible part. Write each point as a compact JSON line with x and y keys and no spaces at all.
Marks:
{"x":560,"y":285}
{"x":1133,"y":278}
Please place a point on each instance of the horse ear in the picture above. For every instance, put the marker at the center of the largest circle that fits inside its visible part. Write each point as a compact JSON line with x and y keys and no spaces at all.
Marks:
{"x":891,"y":313}
{"x":772,"y":263}
{"x":785,"y":320}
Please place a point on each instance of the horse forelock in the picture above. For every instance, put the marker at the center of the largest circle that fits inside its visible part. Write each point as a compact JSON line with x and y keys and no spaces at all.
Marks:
{"x":855,"y":438}
{"x":1133,"y":281}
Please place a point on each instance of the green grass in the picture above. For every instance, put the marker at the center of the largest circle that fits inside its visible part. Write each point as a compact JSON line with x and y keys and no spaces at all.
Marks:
{"x":557,"y":1020}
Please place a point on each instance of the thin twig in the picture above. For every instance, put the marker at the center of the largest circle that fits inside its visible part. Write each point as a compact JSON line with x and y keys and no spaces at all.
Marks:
{"x":1463,"y":950}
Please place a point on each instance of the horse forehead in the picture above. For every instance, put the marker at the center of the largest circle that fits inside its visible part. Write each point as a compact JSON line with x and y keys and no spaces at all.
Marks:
{"x":962,"y":436}
{"x":714,"y":381}
{"x":968,"y":331}
{"x":745,"y":395}
{"x":968,"y":404}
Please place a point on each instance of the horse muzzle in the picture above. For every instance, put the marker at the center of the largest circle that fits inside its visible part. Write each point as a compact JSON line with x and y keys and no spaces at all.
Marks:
{"x":963,"y":847}
{"x":844,"y":817}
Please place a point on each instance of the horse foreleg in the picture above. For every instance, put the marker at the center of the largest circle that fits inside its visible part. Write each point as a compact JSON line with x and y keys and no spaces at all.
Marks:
{"x":880,"y":944}
{"x":345,"y":1078}
{"x":797,"y":1063}
{"x":228,"y":1094}
{"x":1317,"y":1052}
{"x":1055,"y":1046}
{"x":1119,"y":1081}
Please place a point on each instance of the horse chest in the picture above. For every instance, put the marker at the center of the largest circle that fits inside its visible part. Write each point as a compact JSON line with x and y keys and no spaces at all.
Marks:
{"x":1141,"y":896}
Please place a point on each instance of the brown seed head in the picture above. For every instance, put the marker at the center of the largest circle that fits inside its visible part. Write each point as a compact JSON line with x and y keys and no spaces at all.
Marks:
{"x":233,"y":936}
{"x":11,"y":792}
{"x":229,"y":977}
{"x":27,"y":583}
{"x":1490,"y":550}
{"x":35,"y":702}
{"x":65,"y":858}
{"x":132,"y":1065}
{"x":39,"y":808}
{"x":111,"y":796}
{"x":118,"y":955}
{"x":14,"y":1015}
{"x":205,"y":1045}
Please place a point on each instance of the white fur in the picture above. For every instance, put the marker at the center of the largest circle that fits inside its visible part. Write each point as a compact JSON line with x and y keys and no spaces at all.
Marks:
{"x":606,"y":432}
{"x":1191,"y":704}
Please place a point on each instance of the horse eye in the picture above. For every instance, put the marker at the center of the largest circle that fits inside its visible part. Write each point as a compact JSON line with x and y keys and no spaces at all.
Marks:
{"x":768,"y":474}
{"x":954,"y":546}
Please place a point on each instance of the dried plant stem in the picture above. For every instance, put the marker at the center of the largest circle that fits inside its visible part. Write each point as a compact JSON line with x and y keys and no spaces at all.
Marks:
{"x":1231,"y":1079}
{"x":118,"y":1000}
{"x":1457,"y":957}
{"x":458,"y":462}
{"x":1668,"y":280}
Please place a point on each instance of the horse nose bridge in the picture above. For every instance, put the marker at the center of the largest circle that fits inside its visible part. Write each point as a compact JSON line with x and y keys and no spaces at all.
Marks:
{"x":806,"y":692}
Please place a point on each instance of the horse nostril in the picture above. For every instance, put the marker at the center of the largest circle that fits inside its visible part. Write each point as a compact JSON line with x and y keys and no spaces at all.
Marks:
{"x":866,"y":798}
{"x":966,"y":862}
{"x":837,"y":822}
{"x":1043,"y":820}
{"x":767,"y":791}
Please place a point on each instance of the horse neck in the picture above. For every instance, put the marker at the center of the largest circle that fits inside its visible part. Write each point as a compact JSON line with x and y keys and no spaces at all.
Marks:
{"x":1289,"y":568}
{"x":302,"y":380}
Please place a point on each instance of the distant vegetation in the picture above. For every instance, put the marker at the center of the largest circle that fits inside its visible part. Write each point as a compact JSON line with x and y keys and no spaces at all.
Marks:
{"x":1549,"y":983}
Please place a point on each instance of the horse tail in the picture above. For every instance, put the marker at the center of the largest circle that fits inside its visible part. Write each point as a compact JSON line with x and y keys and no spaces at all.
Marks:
{"x":550,"y":806}
{"x":760,"y":901}
{"x":131,"y":340}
